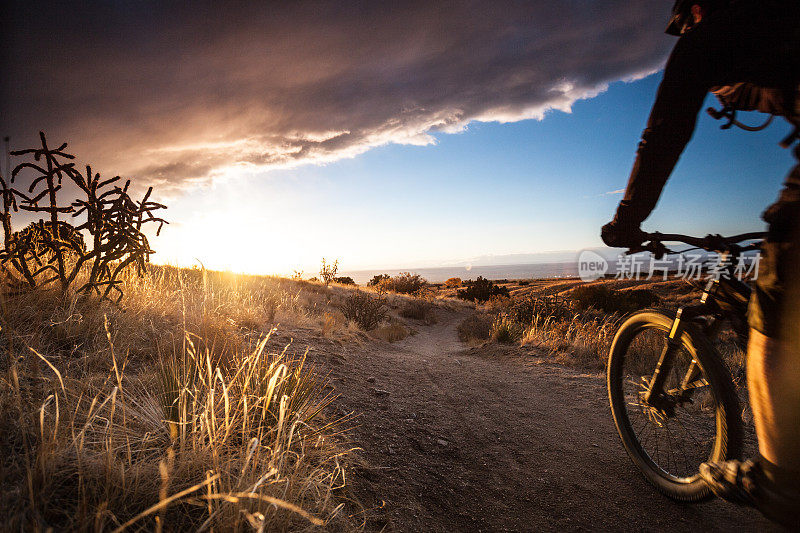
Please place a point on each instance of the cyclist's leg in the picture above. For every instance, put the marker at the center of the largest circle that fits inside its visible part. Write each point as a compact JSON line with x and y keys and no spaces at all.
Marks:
{"x":773,"y":358}
{"x":772,"y":482}
{"x":773,"y":370}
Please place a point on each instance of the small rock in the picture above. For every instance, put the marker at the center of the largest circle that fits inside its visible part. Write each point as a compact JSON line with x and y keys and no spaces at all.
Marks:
{"x":442,"y":442}
{"x":413,"y":416}
{"x":371,"y":379}
{"x":390,"y":450}
{"x":380,"y":392}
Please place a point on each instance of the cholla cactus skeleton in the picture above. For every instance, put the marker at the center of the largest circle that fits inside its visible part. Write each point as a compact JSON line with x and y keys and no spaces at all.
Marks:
{"x":327,"y":271}
{"x":113,"y":220}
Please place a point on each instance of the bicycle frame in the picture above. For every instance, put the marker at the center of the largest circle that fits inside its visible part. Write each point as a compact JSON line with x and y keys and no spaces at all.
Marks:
{"x":656,"y":396}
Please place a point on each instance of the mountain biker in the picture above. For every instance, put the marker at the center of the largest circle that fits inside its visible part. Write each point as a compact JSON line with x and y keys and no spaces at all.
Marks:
{"x":750,"y":50}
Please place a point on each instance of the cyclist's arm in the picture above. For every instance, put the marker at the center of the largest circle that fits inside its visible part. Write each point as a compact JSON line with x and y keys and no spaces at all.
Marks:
{"x":753,"y":41}
{"x":669,"y":128}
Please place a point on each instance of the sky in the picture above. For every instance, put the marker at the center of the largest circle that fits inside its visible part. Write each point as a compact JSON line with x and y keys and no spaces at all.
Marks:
{"x":386,"y":135}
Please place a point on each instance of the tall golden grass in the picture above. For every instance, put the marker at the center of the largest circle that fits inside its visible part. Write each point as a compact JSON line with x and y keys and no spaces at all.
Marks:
{"x":174,"y":411}
{"x":581,"y":341}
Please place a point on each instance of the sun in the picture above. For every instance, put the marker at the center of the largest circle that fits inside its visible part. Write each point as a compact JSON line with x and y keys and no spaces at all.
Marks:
{"x":236,"y":240}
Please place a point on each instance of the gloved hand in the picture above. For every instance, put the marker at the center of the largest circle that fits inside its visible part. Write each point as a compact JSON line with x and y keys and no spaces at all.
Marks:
{"x":618,"y":235}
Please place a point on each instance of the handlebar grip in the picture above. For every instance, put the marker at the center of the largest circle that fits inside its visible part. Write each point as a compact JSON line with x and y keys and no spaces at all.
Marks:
{"x":635,"y":250}
{"x":657,"y":249}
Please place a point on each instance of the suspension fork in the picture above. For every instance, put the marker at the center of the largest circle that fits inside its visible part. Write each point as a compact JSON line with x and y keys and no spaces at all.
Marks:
{"x":666,"y":360}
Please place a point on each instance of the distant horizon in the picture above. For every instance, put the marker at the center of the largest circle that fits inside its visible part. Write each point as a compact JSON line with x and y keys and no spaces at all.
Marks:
{"x":566,"y":269}
{"x":527,"y":267}
{"x":555,"y":257}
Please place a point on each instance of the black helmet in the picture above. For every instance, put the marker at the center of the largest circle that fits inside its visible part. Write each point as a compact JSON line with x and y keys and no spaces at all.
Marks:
{"x":682,"y":19}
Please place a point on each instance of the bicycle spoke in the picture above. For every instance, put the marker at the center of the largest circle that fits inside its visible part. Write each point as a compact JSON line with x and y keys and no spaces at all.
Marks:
{"x":697,"y":384}
{"x":689,"y":433}
{"x":686,"y":461}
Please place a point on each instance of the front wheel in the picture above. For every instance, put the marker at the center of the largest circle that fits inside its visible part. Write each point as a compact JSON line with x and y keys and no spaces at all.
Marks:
{"x":696,"y":417}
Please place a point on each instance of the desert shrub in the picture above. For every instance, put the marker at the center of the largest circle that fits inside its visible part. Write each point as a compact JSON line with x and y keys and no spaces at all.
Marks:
{"x":344,"y":280}
{"x":378,"y":279}
{"x":327,"y":271}
{"x":407,"y":283}
{"x":598,"y":296}
{"x":640,"y":298}
{"x":331,"y":322}
{"x":419,"y":310}
{"x":37,"y":237}
{"x":525,"y":310}
{"x":481,"y":290}
{"x":475,"y":327}
{"x":498,"y":303}
{"x":601,"y":297}
{"x":390,"y":332}
{"x":506,"y":330}
{"x":452,"y":283}
{"x":383,"y":286}
{"x":364,"y":310}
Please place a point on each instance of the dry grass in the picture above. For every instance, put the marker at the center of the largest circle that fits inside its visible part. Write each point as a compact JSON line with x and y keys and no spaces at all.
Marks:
{"x":170,"y":411}
{"x":475,"y":328}
{"x":506,"y":330}
{"x":391,"y":332}
{"x":419,"y":309}
{"x":583,"y":341}
{"x":580,"y":333}
{"x":333,"y":322}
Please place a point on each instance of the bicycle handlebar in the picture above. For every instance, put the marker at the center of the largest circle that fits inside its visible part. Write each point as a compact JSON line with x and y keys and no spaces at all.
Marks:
{"x":712,"y":243}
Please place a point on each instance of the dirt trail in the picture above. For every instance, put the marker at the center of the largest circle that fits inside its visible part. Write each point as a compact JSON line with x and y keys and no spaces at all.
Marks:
{"x":456,"y":439}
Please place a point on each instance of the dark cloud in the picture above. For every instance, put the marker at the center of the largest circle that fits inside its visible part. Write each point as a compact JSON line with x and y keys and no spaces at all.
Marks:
{"x":172,"y":94}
